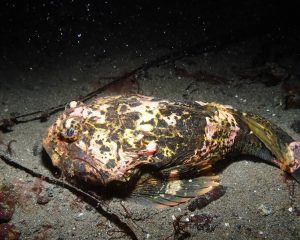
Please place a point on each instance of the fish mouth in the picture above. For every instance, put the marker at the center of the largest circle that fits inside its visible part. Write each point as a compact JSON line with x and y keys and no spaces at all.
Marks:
{"x":75,"y":163}
{"x":50,"y":148}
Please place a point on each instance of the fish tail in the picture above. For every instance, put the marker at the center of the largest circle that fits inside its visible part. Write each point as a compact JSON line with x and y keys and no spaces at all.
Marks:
{"x":285,"y":149}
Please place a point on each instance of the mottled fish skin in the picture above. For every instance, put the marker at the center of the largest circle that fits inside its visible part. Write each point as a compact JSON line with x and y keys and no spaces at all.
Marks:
{"x":112,"y":138}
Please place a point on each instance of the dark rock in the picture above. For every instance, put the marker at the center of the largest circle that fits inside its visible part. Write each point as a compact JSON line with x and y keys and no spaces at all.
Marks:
{"x":7,"y":203}
{"x":42,"y":199}
{"x":9,"y":232}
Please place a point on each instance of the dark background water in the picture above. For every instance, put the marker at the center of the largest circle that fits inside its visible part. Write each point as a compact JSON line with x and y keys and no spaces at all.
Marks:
{"x":36,"y":29}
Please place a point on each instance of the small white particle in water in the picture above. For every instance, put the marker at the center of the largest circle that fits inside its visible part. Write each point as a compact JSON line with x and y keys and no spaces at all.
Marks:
{"x":273,"y":114}
{"x":268,"y":110}
{"x":147,"y":235}
{"x":236,"y":95}
{"x":290,"y":209}
{"x":187,"y":219}
{"x":192,"y":215}
{"x":254,"y":191}
{"x":226,"y":224}
{"x":173,"y":217}
{"x":79,"y":35}
{"x":261,"y":232}
{"x":190,"y":180}
{"x":179,"y":209}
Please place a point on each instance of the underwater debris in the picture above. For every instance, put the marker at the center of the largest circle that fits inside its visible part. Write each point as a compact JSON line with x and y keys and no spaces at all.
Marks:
{"x":265,"y":210}
{"x":9,"y":147}
{"x":201,"y":76}
{"x":204,"y":222}
{"x":7,"y":208}
{"x":270,"y":74}
{"x":37,"y":148}
{"x":291,"y":184}
{"x":43,"y":232}
{"x":205,"y":199}
{"x":184,"y":223}
{"x":42,"y":197}
{"x":128,"y":84}
{"x":44,"y":116}
{"x":180,"y":228}
{"x":6,"y":124}
{"x":7,"y":202}
{"x":8,"y":231}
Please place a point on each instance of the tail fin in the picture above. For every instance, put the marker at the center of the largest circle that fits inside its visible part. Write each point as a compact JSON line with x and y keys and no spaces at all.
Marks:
{"x":282,"y":146}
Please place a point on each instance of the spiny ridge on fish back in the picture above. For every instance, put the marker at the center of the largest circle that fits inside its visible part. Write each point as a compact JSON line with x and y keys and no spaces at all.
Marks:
{"x":163,"y":150}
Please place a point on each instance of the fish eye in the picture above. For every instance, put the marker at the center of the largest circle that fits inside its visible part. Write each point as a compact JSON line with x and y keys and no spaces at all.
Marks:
{"x":70,"y":132}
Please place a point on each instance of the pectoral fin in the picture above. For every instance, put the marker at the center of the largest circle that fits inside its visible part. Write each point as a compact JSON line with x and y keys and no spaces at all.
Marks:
{"x":168,"y":193}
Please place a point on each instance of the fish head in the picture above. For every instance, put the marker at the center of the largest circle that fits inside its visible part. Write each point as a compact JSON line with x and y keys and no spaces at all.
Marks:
{"x":79,"y":147}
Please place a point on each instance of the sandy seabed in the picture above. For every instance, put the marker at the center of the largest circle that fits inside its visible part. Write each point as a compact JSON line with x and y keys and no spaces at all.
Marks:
{"x":256,"y":204}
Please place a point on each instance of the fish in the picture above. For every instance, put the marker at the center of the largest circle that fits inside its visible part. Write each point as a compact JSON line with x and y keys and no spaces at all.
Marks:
{"x":164,"y":150}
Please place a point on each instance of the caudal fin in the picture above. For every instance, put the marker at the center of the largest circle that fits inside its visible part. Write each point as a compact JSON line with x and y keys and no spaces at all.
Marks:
{"x":282,"y":146}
